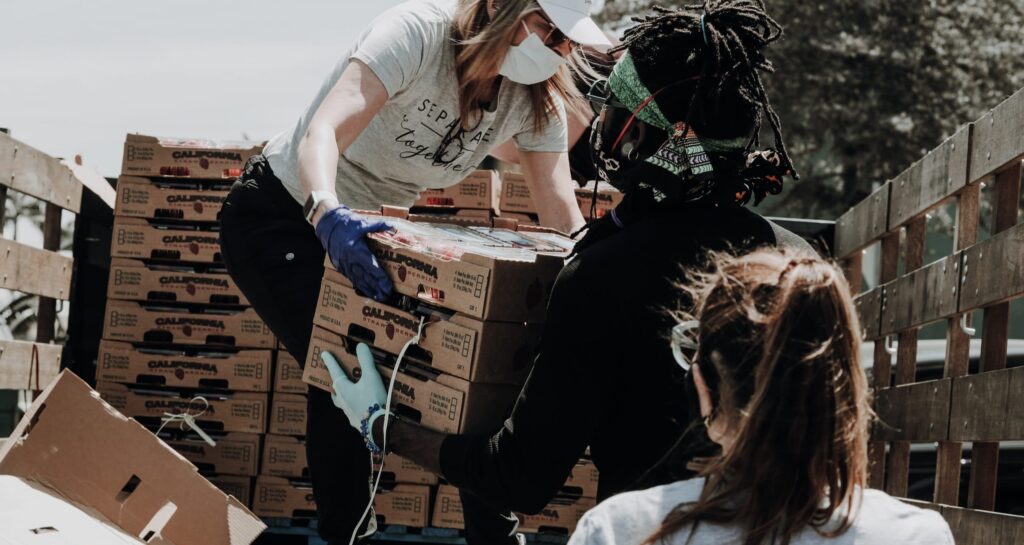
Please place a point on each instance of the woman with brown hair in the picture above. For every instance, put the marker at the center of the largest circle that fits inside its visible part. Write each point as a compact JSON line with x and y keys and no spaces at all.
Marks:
{"x":777,"y":374}
{"x":420,"y":99}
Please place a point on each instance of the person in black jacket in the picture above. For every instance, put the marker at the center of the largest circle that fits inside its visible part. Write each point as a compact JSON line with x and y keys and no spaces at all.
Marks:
{"x":679,"y":117}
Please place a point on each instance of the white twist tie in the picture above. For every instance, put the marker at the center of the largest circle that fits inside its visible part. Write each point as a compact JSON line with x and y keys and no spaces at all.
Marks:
{"x":188,"y":419}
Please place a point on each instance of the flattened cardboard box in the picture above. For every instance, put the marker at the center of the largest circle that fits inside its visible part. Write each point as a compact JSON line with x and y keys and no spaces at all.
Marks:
{"x":243,"y":411}
{"x":186,"y":157}
{"x":438,"y":401}
{"x":497,"y":352}
{"x":287,"y":414}
{"x":133,"y":322}
{"x":401,"y":470}
{"x":405,"y":504}
{"x":145,"y":198}
{"x":607,"y":199}
{"x":234,"y":453}
{"x":448,"y":509}
{"x":558,"y":517}
{"x":284,"y":456}
{"x":135,"y":281}
{"x":235,"y":485}
{"x":246,"y":370}
{"x":134,"y":480}
{"x":483,"y":286}
{"x":583,"y":479}
{"x":280,"y":497}
{"x":515,"y":194}
{"x":138,"y":238}
{"x":288,"y":374}
{"x":479,"y":190}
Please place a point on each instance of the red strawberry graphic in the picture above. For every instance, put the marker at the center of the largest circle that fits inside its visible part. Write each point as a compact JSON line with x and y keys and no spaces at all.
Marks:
{"x":390,"y":331}
{"x":401,"y":273}
{"x":191,"y":289}
{"x":179,"y":374}
{"x":205,"y":163}
{"x":194,"y":248}
{"x":198,"y":207}
{"x":187,"y":330}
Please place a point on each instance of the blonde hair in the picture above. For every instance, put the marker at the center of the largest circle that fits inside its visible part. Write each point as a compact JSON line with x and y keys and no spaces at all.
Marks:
{"x":481,"y":43}
{"x":779,"y":350}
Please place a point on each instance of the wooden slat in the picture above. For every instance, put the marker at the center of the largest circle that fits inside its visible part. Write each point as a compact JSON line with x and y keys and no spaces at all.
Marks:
{"x":30,"y":171}
{"x":998,"y":137}
{"x":46,"y":313}
{"x":869,"y":311}
{"x":923,"y":296}
{"x":16,"y":364}
{"x":34,"y":271}
{"x":882,"y":362}
{"x":971,"y":527}
{"x":993,"y":270}
{"x":864,"y":223}
{"x":1014,"y":416}
{"x":931,"y":180}
{"x":979,"y":406}
{"x":914,"y":412}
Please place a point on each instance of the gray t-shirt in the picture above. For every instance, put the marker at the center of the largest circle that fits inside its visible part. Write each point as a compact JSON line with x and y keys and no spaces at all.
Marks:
{"x":409,"y":47}
{"x":628,"y":519}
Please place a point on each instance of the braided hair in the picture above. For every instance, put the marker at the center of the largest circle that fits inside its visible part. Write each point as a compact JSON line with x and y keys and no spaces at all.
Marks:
{"x":726,"y":41}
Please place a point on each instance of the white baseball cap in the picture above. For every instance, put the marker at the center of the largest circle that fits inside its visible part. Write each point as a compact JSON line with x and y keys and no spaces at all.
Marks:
{"x":572,"y":17}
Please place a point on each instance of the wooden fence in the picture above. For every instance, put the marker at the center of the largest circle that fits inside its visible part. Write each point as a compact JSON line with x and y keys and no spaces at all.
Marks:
{"x":982,"y":408}
{"x":36,"y":271}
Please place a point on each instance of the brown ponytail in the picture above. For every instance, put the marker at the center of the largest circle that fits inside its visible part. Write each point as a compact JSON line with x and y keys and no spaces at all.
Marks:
{"x":779,"y":349}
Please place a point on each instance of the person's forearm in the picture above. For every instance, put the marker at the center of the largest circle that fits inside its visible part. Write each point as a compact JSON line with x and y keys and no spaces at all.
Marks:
{"x":318,"y":162}
{"x":413,"y":442}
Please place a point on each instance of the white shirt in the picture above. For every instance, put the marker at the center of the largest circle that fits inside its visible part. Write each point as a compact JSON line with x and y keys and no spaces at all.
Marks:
{"x":628,"y":519}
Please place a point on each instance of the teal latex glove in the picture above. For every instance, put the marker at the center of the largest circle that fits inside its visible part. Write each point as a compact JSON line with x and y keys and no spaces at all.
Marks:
{"x":359,"y":400}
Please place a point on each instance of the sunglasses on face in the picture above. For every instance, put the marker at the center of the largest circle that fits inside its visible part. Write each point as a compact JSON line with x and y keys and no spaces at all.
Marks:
{"x":552,"y":37}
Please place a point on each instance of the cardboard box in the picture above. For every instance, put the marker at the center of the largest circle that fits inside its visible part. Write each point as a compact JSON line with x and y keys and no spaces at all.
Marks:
{"x":559,"y":517}
{"x":135,"y":281}
{"x":234,"y":454}
{"x":521,"y":219}
{"x":401,"y":470}
{"x":479,"y":190}
{"x":247,"y":370}
{"x":288,"y":375}
{"x":33,"y":513}
{"x":515,"y":194}
{"x":142,"y":239}
{"x":284,"y":456}
{"x":496,"y":275}
{"x":234,"y":485}
{"x":404,"y":505}
{"x":448,"y":509}
{"x":186,"y":157}
{"x":425,"y":216}
{"x":134,"y":322}
{"x":144,"y":198}
{"x":583,"y":480}
{"x":287,"y":414}
{"x":438,"y":401}
{"x":607,"y":199}
{"x":286,"y":498}
{"x":243,"y":411}
{"x":135,"y":482}
{"x":498,"y":352}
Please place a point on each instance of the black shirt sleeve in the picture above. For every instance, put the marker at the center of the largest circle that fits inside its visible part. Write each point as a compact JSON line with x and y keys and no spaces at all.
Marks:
{"x":524,"y":464}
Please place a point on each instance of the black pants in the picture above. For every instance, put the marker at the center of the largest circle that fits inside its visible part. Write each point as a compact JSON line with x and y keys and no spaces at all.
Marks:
{"x":274,"y":256}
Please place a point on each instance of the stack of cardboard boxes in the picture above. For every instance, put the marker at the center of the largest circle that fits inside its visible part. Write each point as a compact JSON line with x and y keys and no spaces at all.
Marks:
{"x":480,"y":295}
{"x":595,"y":207}
{"x":178,"y":336}
{"x":517,"y":202}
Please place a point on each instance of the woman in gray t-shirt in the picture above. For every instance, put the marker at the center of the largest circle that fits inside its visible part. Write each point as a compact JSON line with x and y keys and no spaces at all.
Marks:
{"x":420,"y":99}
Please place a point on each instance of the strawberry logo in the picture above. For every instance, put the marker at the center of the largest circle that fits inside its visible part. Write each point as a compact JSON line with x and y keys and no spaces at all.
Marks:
{"x":194,"y":248}
{"x":198,"y":207}
{"x":205,"y":163}
{"x":401,"y":273}
{"x":179,"y":374}
{"x":390,"y":331}
{"x":191,"y":289}
{"x":187,"y":330}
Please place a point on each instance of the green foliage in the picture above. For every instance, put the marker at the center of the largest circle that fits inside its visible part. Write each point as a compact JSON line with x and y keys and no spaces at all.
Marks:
{"x":866,"y":87}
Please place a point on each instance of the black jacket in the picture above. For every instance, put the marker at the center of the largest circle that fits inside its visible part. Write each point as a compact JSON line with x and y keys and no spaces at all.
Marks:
{"x":604,"y":376}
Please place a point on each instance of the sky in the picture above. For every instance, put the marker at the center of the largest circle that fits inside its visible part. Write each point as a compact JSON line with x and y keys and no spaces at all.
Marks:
{"x":77,"y":75}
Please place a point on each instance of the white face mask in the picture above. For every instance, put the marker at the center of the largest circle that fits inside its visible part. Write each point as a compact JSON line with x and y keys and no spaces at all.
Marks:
{"x":531,"y":61}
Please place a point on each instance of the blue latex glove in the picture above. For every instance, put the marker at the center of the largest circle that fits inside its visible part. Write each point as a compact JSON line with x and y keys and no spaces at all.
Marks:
{"x":343,"y":234}
{"x":356,"y":398}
